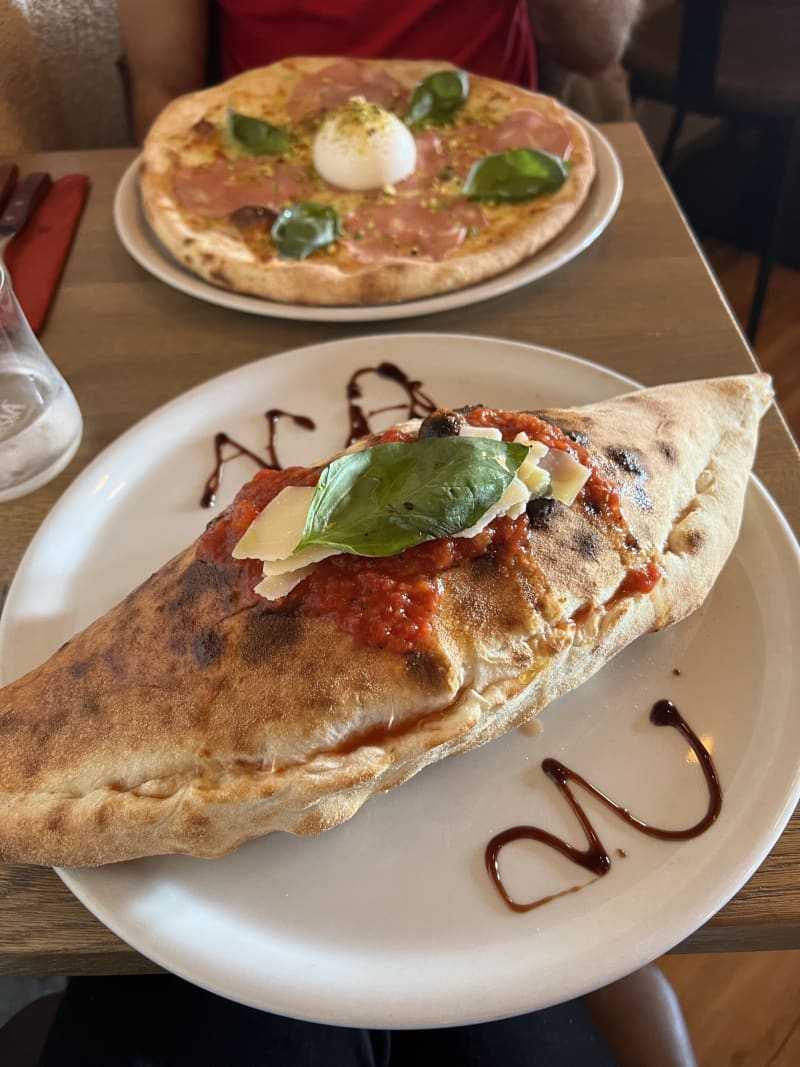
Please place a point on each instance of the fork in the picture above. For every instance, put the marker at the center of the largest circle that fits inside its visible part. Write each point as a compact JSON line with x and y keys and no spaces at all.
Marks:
{"x":18,"y":201}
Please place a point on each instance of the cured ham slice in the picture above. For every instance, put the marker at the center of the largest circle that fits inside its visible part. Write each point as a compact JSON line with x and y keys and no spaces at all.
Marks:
{"x":337,"y":83}
{"x":408,"y":228}
{"x":223,"y":187}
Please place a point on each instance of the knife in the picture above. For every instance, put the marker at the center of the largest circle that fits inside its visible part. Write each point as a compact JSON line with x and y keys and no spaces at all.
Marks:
{"x":24,"y":200}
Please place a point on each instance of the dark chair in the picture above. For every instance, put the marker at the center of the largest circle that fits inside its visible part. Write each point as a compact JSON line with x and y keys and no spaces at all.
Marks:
{"x":738,"y":60}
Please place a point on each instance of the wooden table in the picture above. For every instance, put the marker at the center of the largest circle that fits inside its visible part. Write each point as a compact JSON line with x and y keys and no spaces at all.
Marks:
{"x":640,"y":300}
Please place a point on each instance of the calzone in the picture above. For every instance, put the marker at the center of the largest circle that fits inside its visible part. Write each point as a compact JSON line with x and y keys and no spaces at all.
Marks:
{"x":339,"y":628}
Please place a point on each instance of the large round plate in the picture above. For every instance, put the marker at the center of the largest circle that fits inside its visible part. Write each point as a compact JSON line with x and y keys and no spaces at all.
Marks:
{"x":593,"y":217}
{"x":390,"y":919}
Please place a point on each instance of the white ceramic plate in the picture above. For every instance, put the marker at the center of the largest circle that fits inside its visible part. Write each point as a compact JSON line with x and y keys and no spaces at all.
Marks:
{"x":391,"y":919}
{"x":591,"y":220}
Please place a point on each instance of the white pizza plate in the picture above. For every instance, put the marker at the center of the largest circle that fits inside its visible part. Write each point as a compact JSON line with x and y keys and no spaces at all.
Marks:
{"x":595,"y":214}
{"x":391,"y":918}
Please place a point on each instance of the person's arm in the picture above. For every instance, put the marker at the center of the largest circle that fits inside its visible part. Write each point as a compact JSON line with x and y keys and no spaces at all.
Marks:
{"x":586,"y":36}
{"x":165,"y":50}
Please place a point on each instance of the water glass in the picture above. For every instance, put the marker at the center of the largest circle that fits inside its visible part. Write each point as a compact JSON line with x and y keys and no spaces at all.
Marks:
{"x":40,"y":421}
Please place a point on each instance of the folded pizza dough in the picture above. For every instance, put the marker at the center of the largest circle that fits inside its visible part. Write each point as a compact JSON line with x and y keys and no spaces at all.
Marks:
{"x":172,"y":725}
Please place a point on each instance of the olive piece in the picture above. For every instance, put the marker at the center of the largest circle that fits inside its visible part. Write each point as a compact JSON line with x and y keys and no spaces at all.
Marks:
{"x":203,"y":128}
{"x":540,"y":511}
{"x":441,"y":423}
{"x":253,"y":217}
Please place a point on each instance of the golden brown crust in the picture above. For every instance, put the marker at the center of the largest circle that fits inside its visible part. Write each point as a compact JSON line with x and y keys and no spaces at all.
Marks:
{"x":172,"y":725}
{"x":217,"y":253}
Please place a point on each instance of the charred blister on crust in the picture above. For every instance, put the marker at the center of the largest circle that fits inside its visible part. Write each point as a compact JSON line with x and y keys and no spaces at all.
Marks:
{"x":632,"y":463}
{"x":627,"y":460}
{"x":578,"y":437}
{"x":574,"y":430}
{"x":207,"y":647}
{"x":32,"y":766}
{"x":199,"y":579}
{"x":426,"y":669}
{"x":43,"y":730}
{"x":511,"y":609}
{"x":90,"y":703}
{"x":197,"y":824}
{"x":220,"y":277}
{"x":668,"y":451}
{"x":268,"y":631}
{"x":57,"y":821}
{"x":640,"y":497}
{"x":587,"y":544}
{"x":694,"y":541}
{"x":542,"y":512}
{"x":8,"y":722}
{"x":115,"y":660}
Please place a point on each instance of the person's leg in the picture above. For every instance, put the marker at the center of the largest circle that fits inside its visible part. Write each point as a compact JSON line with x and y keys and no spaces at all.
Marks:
{"x":563,"y":1035}
{"x":161,"y":1021}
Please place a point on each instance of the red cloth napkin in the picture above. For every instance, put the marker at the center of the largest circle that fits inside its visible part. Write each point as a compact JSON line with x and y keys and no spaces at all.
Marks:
{"x":36,"y":257}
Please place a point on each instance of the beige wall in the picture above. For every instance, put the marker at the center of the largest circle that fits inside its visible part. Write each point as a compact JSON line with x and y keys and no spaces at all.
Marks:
{"x":59,"y":87}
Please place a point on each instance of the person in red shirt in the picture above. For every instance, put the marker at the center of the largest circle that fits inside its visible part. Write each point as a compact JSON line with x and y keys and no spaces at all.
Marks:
{"x":167,"y":45}
{"x":487,"y":36}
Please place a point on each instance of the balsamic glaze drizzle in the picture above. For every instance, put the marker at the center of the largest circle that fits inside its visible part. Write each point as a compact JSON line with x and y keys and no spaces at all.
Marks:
{"x":595,"y":857}
{"x":418,"y":404}
{"x":209,"y":497}
{"x":273,"y":417}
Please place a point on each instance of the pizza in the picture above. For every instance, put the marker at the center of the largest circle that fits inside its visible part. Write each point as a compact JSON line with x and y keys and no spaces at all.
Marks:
{"x":340,"y":627}
{"x":352,"y":181}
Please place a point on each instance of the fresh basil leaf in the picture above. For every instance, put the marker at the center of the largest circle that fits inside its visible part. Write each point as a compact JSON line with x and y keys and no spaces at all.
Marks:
{"x":519,"y":174}
{"x":382,"y":500}
{"x":438,"y":97}
{"x":301,"y":229}
{"x":257,"y":137}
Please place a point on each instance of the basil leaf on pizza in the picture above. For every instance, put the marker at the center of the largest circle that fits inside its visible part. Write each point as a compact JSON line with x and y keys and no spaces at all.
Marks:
{"x":301,"y":229}
{"x":518,"y":174}
{"x":257,"y":137}
{"x":385,"y":499}
{"x":438,"y":97}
